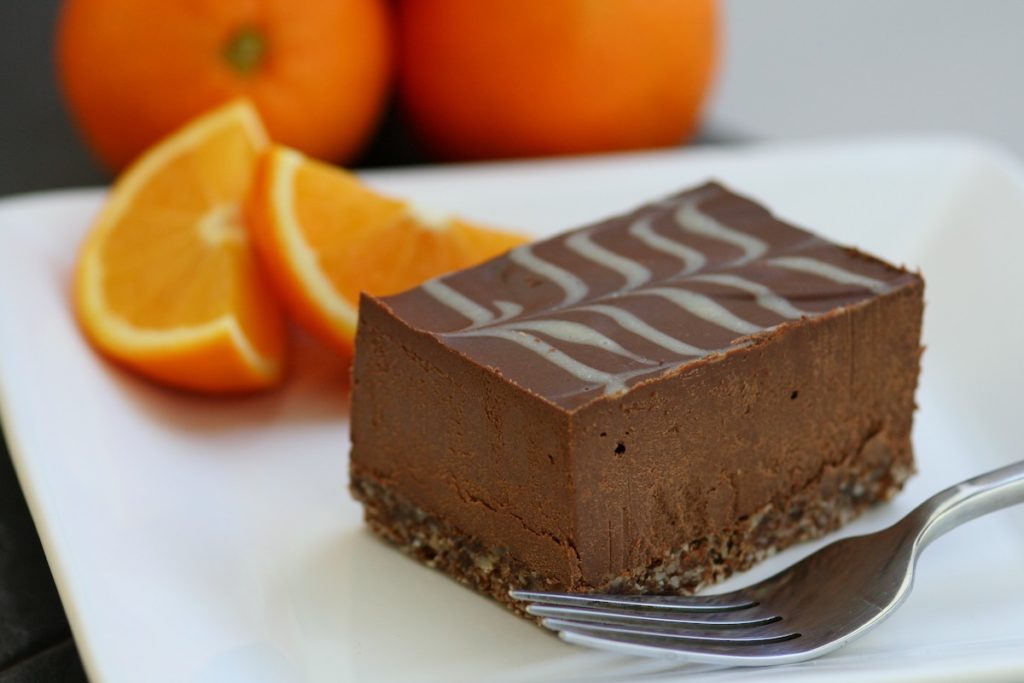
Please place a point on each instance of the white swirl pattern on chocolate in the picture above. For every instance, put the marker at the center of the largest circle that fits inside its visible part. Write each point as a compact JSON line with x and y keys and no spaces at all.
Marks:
{"x":764,"y":296}
{"x":692,"y":259}
{"x":611,"y":382}
{"x":811,"y":266}
{"x":703,"y":307}
{"x":689,"y":218}
{"x":631,"y":323}
{"x":575,"y":288}
{"x":634,"y":273}
{"x":576,"y":333}
{"x":459,"y":303}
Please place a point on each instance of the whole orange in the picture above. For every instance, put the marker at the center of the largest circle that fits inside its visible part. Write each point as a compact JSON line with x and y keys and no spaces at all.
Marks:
{"x":539,"y":77}
{"x":133,"y":70}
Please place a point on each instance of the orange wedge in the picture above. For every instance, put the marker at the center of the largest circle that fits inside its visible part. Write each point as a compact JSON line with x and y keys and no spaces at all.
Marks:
{"x":325,"y":237}
{"x":167,"y":282}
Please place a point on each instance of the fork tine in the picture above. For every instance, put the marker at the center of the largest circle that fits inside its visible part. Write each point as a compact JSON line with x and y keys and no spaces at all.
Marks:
{"x":680,"y":603}
{"x":676,"y":634}
{"x":720,"y":654}
{"x":654,"y":617}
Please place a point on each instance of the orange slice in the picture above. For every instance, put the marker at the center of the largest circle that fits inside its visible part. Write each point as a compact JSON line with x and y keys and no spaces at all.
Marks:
{"x":167,"y":282}
{"x":326,"y":237}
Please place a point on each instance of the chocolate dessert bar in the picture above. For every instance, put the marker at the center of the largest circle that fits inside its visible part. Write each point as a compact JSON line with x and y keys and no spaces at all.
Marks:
{"x":645,"y":404}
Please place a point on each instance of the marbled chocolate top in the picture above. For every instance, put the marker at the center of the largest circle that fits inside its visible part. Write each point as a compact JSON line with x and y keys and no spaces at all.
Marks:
{"x":595,"y":310}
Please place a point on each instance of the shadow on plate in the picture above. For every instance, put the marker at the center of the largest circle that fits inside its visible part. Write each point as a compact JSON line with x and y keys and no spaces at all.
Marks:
{"x":316,"y":389}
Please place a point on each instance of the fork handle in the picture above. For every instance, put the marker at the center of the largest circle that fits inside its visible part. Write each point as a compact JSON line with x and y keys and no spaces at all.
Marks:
{"x":968,"y":500}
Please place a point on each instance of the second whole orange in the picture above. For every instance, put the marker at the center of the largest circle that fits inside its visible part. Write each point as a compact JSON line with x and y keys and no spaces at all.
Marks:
{"x":512,"y":78}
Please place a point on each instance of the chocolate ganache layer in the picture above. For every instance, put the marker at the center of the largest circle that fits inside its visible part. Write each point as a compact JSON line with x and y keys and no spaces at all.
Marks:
{"x":615,"y":303}
{"x":646,"y":403}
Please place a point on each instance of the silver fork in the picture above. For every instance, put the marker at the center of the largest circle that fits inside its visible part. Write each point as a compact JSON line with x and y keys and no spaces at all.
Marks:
{"x":816,"y":606}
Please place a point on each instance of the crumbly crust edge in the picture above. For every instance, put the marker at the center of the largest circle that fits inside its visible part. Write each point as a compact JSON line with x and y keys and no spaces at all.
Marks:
{"x":823,"y":505}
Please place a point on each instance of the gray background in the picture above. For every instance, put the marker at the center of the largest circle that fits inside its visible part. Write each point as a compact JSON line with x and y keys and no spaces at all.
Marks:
{"x":814,"y":68}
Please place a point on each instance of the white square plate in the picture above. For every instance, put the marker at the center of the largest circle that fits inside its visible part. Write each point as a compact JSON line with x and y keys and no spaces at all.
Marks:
{"x":214,"y":540}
